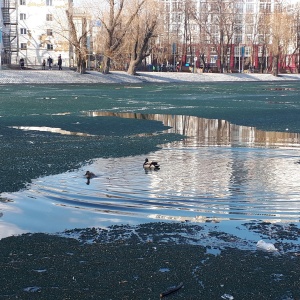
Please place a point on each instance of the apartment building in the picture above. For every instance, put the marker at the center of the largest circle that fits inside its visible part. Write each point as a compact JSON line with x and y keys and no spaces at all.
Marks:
{"x":221,"y":34}
{"x":34,"y":30}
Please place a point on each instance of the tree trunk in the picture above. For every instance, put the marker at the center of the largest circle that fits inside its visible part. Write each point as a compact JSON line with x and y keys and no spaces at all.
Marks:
{"x":106,"y":64}
{"x":221,"y":52}
{"x":80,"y":63}
{"x":80,"y":47}
{"x":203,"y":61}
{"x":132,"y":67}
{"x":83,"y":47}
{"x":275,"y":65}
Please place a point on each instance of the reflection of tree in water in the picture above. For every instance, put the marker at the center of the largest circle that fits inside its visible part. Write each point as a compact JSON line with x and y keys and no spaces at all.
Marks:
{"x":212,"y":131}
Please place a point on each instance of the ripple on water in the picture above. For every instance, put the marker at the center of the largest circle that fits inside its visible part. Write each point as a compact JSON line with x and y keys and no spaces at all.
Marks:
{"x":197,"y":184}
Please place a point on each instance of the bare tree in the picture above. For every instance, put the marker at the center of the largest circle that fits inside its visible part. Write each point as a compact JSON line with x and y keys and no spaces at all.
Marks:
{"x":78,"y":41}
{"x":115,"y":22}
{"x":251,"y":33}
{"x":281,"y":34}
{"x":71,"y":28}
{"x":142,"y":31}
{"x":189,"y":36}
{"x":221,"y":24}
{"x":296,"y":36}
{"x":264,"y":38}
{"x":201,"y":18}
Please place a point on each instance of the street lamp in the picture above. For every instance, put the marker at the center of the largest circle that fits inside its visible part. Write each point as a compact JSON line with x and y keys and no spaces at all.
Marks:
{"x":239,"y":58}
{"x":89,"y":51}
{"x":174,"y":55}
{"x":241,"y":54}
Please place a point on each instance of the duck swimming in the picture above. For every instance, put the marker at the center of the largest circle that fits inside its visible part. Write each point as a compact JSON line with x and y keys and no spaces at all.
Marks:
{"x":151,"y":165}
{"x":89,"y":175}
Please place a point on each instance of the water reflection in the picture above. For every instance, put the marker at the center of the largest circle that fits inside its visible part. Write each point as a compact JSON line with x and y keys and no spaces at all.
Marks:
{"x":248,"y":176}
{"x":212,"y":131}
{"x":50,"y":129}
{"x":254,"y":175}
{"x":197,"y":188}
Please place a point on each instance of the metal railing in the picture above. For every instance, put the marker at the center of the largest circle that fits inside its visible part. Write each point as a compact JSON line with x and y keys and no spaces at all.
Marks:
{"x":9,"y":30}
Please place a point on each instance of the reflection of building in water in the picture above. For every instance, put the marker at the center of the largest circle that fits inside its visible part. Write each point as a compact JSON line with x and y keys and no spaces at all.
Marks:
{"x":217,"y":182}
{"x":213,"y":131}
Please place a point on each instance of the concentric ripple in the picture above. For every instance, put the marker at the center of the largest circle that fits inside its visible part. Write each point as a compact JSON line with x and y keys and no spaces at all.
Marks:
{"x":218,"y":171}
{"x":194,"y":183}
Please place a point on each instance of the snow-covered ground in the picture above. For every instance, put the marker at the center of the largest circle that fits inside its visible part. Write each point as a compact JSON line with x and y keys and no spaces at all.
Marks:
{"x":118,"y":77}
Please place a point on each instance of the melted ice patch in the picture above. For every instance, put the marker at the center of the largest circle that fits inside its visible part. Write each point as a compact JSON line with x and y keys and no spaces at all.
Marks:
{"x":50,"y":129}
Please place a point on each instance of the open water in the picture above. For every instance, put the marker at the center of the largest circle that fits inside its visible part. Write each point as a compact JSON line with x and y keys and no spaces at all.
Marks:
{"x":228,"y":152}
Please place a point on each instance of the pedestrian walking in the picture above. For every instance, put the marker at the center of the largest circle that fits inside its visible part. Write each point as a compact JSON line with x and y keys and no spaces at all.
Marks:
{"x":44,"y":64}
{"x":50,"y":61}
{"x":59,"y":62}
{"x":22,"y":63}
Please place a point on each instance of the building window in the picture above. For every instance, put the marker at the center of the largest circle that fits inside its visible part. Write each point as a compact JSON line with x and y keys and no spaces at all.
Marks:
{"x":287,"y":60}
{"x":249,"y":29}
{"x":249,"y":38}
{"x":23,"y":30}
{"x":236,"y":51}
{"x":238,"y":39}
{"x":22,"y":16}
{"x":22,"y":2}
{"x":49,"y":32}
{"x":213,"y":59}
{"x":49,"y":47}
{"x":247,"y":51}
{"x":49,"y":17}
{"x":261,"y":39}
{"x":265,"y":7}
{"x":23,"y":46}
{"x":250,"y":7}
{"x":49,"y":2}
{"x":239,"y":8}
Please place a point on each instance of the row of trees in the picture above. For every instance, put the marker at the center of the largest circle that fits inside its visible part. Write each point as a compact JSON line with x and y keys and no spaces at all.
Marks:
{"x":225,"y":25}
{"x":125,"y":27}
{"x":131,"y":30}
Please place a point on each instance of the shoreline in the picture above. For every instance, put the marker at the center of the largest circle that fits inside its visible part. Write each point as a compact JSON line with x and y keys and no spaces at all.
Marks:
{"x":119,"y":77}
{"x":145,"y":261}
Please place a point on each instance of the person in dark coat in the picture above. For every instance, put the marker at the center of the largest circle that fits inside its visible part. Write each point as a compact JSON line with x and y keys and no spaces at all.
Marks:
{"x":22,"y":63}
{"x":50,"y":61}
{"x":59,"y":62}
{"x":44,"y":64}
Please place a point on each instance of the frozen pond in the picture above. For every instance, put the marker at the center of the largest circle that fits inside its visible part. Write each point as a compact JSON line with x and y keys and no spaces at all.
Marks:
{"x":218,"y":172}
